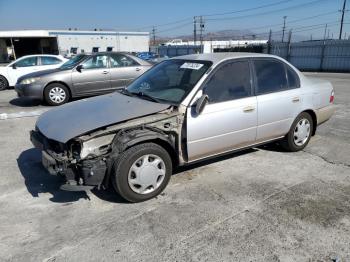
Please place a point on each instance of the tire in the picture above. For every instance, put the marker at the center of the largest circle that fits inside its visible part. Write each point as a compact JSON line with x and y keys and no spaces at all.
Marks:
{"x":295,"y":141}
{"x":125,"y":180}
{"x":56,"y":94}
{"x":4,"y":84}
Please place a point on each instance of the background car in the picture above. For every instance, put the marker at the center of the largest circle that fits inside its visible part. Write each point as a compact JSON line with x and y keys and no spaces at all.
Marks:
{"x":83,"y":75}
{"x":25,"y":65}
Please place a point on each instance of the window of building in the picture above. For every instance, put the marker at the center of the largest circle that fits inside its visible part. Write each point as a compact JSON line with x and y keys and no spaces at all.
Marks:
{"x":95,"y":49}
{"x":109,"y":49}
{"x":74,"y":50}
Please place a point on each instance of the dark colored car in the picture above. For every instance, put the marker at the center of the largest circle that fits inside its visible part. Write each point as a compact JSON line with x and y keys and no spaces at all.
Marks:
{"x":83,"y":75}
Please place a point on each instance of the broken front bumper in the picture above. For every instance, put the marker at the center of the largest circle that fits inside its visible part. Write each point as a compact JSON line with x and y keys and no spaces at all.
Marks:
{"x":79,"y":176}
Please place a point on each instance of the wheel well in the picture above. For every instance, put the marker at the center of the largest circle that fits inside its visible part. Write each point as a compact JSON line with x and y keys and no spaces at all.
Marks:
{"x":314,"y":120}
{"x":59,"y":82}
{"x":5,"y":79}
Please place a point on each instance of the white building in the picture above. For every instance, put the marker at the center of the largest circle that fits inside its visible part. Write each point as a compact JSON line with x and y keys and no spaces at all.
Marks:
{"x":210,"y":46}
{"x":68,"y":42}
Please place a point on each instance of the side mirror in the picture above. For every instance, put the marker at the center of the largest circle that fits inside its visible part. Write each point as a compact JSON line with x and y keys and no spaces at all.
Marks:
{"x":14,"y":66}
{"x":201,"y":103}
{"x":79,"y":68}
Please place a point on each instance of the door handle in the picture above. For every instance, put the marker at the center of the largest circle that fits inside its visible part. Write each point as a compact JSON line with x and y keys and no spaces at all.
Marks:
{"x":138,"y":69}
{"x":248,"y":109}
{"x":295,"y":99}
{"x":105,"y":72}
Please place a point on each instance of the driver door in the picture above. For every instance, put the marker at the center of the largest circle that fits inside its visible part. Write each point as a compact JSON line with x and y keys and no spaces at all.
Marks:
{"x":229,"y":120}
{"x":22,"y":67}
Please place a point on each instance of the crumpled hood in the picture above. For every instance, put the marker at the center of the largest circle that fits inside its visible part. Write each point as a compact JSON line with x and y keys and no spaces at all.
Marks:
{"x":74,"y":119}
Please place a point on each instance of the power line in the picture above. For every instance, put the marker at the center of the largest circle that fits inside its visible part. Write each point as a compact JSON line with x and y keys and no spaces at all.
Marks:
{"x":232,"y":12}
{"x":249,"y":9}
{"x":267,"y":12}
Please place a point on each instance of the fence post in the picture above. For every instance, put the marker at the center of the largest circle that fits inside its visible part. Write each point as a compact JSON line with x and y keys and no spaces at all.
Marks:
{"x":322,"y":54}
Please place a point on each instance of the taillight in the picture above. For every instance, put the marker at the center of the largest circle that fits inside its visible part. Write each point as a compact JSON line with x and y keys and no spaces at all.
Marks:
{"x":331,"y":99}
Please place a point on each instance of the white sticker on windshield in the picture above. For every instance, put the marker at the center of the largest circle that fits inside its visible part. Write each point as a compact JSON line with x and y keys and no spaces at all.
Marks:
{"x":193,"y":66}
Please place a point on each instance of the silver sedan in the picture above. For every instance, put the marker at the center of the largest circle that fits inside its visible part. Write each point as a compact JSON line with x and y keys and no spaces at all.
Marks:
{"x":182,"y":110}
{"x":83,"y":75}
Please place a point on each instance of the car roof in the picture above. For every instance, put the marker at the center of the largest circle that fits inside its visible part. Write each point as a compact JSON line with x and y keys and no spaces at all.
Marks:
{"x":216,"y":58}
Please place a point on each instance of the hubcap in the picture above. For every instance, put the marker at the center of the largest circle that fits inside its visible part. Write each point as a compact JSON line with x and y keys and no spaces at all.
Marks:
{"x":302,"y":132}
{"x":57,"y":95}
{"x":2,"y":82}
{"x":146,"y":174}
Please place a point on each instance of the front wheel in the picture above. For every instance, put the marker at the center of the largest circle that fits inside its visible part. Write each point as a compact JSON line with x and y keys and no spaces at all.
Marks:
{"x":141,"y":172}
{"x":56,"y":94}
{"x":299,"y":134}
{"x":4,"y":84}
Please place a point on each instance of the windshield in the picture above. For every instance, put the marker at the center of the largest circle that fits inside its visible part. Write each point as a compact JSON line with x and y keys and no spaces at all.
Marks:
{"x":169,"y":81}
{"x":73,"y":62}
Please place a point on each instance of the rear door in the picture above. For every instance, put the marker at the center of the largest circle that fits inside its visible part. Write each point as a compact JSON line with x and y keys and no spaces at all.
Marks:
{"x":278,"y":96}
{"x":229,"y":120}
{"x":124,"y":69}
{"x":94,"y":77}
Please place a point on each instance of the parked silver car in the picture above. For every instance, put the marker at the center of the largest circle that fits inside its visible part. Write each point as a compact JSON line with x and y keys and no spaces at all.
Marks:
{"x":182,"y":110}
{"x":83,"y":75}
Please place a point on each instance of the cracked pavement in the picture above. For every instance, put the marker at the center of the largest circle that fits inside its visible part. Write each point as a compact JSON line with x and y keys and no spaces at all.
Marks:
{"x":261,"y":204}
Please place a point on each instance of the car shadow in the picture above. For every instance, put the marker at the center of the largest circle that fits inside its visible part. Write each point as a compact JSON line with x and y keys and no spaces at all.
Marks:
{"x":38,"y":180}
{"x":25,"y":102}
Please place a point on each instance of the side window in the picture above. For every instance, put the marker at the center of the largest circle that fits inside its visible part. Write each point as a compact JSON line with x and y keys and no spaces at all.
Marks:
{"x":271,"y":76}
{"x":98,"y":61}
{"x":49,"y":60}
{"x":231,"y":81}
{"x":74,"y":50}
{"x":30,"y":61}
{"x":293,"y":78}
{"x":119,"y":60}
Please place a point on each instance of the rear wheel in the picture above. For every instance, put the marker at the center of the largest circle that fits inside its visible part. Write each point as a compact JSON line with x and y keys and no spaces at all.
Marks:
{"x":299,"y":134}
{"x":56,"y":94}
{"x":4,"y":84}
{"x":141,"y":172}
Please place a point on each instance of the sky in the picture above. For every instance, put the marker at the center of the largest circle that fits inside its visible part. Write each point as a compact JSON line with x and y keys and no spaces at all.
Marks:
{"x":304,"y":17}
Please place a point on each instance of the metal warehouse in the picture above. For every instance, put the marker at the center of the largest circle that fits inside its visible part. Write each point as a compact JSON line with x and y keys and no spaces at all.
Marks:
{"x":14,"y":44}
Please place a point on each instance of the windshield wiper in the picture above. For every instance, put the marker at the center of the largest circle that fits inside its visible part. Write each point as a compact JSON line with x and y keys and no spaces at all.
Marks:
{"x":139,"y":94}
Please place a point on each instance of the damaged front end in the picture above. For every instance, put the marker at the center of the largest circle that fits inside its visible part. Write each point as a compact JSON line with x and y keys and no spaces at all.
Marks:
{"x":87,"y":161}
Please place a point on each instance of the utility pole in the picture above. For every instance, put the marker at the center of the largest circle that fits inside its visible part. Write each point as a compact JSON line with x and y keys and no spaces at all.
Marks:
{"x":201,"y":30}
{"x":284,"y":27}
{"x":269,"y":42}
{"x":325,"y":32}
{"x":154,"y":35}
{"x":195,"y":30}
{"x":342,"y":19}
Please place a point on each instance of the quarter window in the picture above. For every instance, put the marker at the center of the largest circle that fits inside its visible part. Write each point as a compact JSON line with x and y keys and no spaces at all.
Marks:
{"x":293,"y":79}
{"x":49,"y":60}
{"x":271,"y":76}
{"x":98,"y":61}
{"x":119,"y":60}
{"x":30,"y":61}
{"x":231,"y":81}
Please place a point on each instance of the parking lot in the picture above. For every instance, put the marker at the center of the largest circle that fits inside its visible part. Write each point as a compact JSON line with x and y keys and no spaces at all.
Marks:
{"x":261,"y":204}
